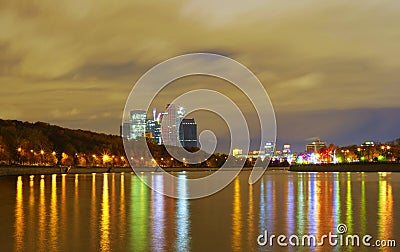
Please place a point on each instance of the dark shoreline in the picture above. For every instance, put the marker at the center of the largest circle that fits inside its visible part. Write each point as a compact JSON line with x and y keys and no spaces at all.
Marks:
{"x":352,"y":167}
{"x":46,"y":170}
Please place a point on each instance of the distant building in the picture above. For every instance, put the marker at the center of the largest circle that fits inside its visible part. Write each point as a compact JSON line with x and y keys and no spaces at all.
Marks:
{"x":125,"y":130}
{"x":315,"y":146}
{"x":237,"y":152}
{"x":269,"y":149}
{"x":188,"y":133}
{"x":287,"y":149}
{"x":137,"y":123}
{"x":154,"y":128}
{"x":368,"y":144}
{"x":170,"y":121}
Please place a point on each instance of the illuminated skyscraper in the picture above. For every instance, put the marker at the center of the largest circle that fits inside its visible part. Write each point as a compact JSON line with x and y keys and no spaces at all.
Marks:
{"x":137,"y":124}
{"x":154,"y":128}
{"x":269,"y":149}
{"x":169,"y":126}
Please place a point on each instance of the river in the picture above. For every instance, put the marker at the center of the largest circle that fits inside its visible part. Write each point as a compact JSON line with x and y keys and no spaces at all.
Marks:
{"x":103,"y":212}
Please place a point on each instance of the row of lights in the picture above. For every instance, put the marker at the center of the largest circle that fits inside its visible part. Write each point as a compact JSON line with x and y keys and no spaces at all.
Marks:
{"x":32,"y":151}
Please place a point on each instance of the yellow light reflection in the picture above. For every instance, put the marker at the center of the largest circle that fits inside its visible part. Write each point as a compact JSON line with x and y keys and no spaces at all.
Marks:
{"x":63,"y":210}
{"x":236,"y":217}
{"x":385,"y":209}
{"x":31,"y":181}
{"x":42,"y":216}
{"x":363,"y":206}
{"x":105,"y":217}
{"x":77,"y":228}
{"x":53,"y":215}
{"x":93,"y":213}
{"x":32,"y":212}
{"x":250,"y":216}
{"x":122,"y":220}
{"x":349,"y":206}
{"x":19,"y":217}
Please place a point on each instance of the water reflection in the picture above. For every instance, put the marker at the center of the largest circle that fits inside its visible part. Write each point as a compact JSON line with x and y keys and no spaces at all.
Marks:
{"x":105,"y":217}
{"x":53,"y":214}
{"x":182,"y":216}
{"x":336,"y":200}
{"x":158,"y":215}
{"x":42,"y":215}
{"x":19,"y":216}
{"x":349,"y":205}
{"x":236,"y":217}
{"x":385,"y":208}
{"x":250,"y":215}
{"x":139,"y":215}
{"x":300,"y":217}
{"x":118,"y":212}
{"x":363,"y":209}
{"x":93,"y":211}
{"x":122,"y":215}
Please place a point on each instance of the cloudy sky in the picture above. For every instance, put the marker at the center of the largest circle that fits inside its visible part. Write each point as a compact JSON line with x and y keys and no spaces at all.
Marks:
{"x":331,"y":68}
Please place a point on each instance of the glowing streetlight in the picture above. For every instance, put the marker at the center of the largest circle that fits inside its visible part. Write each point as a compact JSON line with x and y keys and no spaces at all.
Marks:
{"x":42,"y":152}
{"x":19,"y":149}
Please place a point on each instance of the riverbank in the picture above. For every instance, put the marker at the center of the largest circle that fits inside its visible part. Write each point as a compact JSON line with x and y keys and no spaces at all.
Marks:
{"x":46,"y":170}
{"x":352,"y":167}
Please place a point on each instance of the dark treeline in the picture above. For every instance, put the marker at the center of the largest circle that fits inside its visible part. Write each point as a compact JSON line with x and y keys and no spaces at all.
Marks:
{"x":29,"y":143}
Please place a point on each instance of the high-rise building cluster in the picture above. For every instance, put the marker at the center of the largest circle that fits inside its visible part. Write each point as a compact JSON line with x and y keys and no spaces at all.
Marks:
{"x":169,"y":127}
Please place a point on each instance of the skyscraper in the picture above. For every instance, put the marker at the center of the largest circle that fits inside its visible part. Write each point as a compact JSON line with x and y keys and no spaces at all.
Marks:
{"x":169,"y":128}
{"x":137,"y":124}
{"x":188,"y":133}
{"x":154,"y":128}
{"x":125,"y":130}
{"x":269,"y":149}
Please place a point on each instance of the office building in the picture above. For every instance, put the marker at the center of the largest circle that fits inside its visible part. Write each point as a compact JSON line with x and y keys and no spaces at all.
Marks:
{"x":315,"y":146}
{"x":125,"y":130}
{"x":154,"y":128}
{"x":269,"y":149}
{"x":137,"y":124}
{"x":188,"y":133}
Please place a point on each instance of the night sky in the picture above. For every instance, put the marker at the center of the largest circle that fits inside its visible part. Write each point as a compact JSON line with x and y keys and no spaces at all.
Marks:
{"x":331,"y":68}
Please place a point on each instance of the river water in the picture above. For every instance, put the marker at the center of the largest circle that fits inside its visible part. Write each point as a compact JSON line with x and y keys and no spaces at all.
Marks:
{"x":103,"y":212}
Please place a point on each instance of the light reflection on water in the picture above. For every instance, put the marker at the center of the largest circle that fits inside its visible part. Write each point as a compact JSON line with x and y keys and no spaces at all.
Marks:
{"x":236,"y":217}
{"x":118,"y":212}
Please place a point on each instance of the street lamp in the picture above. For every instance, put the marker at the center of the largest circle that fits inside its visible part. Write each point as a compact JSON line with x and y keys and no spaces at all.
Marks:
{"x":42,"y":153}
{"x":19,"y":154}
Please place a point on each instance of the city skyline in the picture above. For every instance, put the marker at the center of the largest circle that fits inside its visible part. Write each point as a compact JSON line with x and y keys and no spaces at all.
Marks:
{"x":336,"y":79}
